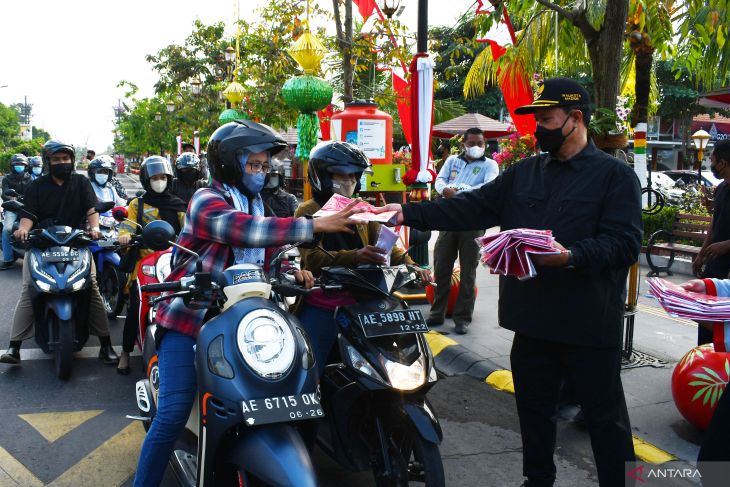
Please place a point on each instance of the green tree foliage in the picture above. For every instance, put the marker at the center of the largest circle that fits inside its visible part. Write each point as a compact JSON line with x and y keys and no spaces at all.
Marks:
{"x":10,"y":141}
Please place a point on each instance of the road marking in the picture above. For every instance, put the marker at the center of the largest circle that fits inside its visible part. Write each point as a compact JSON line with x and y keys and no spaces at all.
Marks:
{"x":501,"y":380}
{"x":649,"y":453}
{"x":111,"y":464}
{"x":52,"y":426}
{"x":663,"y":314}
{"x":438,"y":342}
{"x":12,"y":472}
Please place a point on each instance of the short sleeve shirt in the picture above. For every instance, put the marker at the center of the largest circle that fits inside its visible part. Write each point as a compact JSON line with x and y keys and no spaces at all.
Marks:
{"x":66,"y":204}
{"x":720,"y":266}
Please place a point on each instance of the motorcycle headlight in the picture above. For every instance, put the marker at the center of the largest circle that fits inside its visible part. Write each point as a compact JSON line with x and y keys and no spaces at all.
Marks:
{"x":266,"y":343}
{"x":163,"y":266}
{"x":405,"y":377}
{"x":79,"y":284}
{"x":38,"y":269}
{"x":43,"y":286}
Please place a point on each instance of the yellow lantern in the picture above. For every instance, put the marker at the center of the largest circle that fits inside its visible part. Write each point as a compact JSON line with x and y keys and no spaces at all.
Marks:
{"x":308,"y":52}
{"x":234,"y":93}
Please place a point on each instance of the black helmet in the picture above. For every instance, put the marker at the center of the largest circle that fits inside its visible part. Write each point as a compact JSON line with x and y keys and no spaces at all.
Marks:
{"x":152,"y":166}
{"x":101,"y":163}
{"x":53,"y":146}
{"x":335,"y":157}
{"x":35,"y":161}
{"x":229,"y":141}
{"x":187,"y":160}
{"x":19,"y":159}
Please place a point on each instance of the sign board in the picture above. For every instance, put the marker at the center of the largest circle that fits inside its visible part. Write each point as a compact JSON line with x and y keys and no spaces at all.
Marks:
{"x":26,"y":132}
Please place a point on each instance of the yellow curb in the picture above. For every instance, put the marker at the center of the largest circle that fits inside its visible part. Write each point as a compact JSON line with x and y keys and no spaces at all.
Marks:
{"x":501,"y":380}
{"x":438,"y":342}
{"x":649,"y":453}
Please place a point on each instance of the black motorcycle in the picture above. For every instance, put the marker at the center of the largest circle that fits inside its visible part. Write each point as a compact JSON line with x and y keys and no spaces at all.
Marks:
{"x":377,"y":416}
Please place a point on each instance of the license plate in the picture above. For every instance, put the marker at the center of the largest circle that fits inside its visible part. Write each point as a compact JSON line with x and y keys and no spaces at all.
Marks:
{"x":392,"y":322}
{"x":282,"y":409}
{"x":60,"y":255}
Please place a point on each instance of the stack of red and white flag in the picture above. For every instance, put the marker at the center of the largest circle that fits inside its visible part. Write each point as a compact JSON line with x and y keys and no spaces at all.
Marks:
{"x":681,"y":303}
{"x":508,"y":253}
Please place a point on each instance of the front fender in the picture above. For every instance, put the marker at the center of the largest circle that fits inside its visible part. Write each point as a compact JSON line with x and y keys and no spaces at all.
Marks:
{"x":275,"y":454}
{"x":420,"y":413}
{"x":61,"y":305}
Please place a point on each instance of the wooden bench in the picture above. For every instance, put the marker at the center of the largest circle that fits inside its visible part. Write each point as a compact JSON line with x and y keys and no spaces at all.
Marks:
{"x":662,"y":242}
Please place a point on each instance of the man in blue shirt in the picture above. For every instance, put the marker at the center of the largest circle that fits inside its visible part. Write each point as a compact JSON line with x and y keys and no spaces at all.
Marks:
{"x":466,"y":171}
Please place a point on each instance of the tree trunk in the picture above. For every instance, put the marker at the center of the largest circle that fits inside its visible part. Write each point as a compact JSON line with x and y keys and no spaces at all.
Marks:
{"x":643,"y":63}
{"x":344,"y":41}
{"x":605,"y":48}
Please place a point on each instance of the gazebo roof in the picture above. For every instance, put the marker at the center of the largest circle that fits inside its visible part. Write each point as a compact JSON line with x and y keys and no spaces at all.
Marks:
{"x":457,"y":126}
{"x":716,"y":99}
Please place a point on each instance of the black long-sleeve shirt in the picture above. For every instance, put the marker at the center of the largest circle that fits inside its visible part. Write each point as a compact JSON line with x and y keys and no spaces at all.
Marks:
{"x":592,"y":204}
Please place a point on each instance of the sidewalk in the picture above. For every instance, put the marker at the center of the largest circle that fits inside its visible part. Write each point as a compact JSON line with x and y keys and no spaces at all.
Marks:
{"x":654,"y":417}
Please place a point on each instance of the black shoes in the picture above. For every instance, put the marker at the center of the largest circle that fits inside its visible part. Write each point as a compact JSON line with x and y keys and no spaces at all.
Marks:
{"x":108,"y":355}
{"x":433,"y":321}
{"x":5,"y":265}
{"x":12,"y":356}
{"x":461,"y":327}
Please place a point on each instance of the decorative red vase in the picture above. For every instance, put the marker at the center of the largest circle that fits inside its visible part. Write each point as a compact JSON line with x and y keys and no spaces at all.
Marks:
{"x":698,"y":382}
{"x":455,"y":285}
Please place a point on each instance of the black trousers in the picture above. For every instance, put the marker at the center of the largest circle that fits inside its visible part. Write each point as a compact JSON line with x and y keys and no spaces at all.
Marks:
{"x":131,"y":322}
{"x":715,"y":447}
{"x":538,"y":369}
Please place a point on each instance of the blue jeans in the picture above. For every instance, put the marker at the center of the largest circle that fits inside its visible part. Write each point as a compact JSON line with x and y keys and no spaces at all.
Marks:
{"x":8,"y":223}
{"x":320,"y":326}
{"x":176,"y":362}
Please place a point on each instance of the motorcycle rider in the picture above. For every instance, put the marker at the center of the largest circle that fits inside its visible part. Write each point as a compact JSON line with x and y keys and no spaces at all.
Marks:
{"x":336,"y":167}
{"x":35,"y":164}
{"x":283,"y":204}
{"x":158,"y":203}
{"x":100,"y":173}
{"x":17,"y":180}
{"x":188,"y":176}
{"x":226,"y":224}
{"x":59,"y":198}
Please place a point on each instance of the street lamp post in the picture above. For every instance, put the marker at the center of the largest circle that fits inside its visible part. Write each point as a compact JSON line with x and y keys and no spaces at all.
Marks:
{"x":700,"y":139}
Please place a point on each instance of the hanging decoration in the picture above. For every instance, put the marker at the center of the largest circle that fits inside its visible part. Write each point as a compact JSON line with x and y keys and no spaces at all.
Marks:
{"x":307,"y":93}
{"x":234,"y":92}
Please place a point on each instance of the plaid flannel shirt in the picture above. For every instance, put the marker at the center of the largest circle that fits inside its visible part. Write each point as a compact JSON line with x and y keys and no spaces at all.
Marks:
{"x":212,"y":227}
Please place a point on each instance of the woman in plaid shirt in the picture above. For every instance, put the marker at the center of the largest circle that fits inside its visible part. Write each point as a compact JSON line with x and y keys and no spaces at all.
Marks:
{"x":225,"y":224}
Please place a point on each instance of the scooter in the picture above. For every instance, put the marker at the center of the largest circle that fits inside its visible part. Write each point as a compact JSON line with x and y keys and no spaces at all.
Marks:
{"x":18,"y":248}
{"x":110,"y":279}
{"x":256,"y":375}
{"x":60,"y":265}
{"x":374,"y":391}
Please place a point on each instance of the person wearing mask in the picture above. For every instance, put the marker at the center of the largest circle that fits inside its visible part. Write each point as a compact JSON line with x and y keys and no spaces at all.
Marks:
{"x":336,"y":167}
{"x":188,"y":176}
{"x":568,"y":320}
{"x":101,"y":171}
{"x":713,"y":260}
{"x":466,"y":171}
{"x":61,"y":197}
{"x":157,"y":203}
{"x":282,"y":204}
{"x":35,"y":164}
{"x":18,"y":180}
{"x":226,"y":224}
{"x":90,"y":155}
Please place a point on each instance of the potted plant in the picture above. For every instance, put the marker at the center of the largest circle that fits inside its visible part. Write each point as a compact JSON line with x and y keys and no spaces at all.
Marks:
{"x":609,"y":128}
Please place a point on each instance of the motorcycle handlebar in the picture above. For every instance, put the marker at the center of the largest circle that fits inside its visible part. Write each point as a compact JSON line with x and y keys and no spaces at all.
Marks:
{"x":162,"y":286}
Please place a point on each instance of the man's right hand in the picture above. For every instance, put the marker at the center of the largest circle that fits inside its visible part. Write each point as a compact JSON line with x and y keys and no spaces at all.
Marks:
{"x":398,"y":209}
{"x":124,"y":240}
{"x":448,"y":192}
{"x":21,"y":234}
{"x":370,"y":255}
{"x":339,"y":222}
{"x":697,"y":265}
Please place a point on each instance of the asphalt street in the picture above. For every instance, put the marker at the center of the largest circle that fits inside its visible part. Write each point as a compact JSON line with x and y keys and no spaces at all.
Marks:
{"x":75,"y":433}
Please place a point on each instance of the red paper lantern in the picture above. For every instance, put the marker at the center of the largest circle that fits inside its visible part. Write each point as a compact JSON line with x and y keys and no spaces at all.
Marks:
{"x":453,"y":294}
{"x":698,"y":382}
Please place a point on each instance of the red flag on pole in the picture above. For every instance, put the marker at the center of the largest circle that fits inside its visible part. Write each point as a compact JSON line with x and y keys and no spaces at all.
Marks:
{"x":401,"y":88}
{"x":324,"y":121}
{"x":365,"y":7}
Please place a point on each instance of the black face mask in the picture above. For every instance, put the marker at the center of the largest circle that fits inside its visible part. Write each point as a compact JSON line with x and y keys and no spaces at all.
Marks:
{"x":715,"y":171}
{"x":188,"y":175}
{"x":62,"y":171}
{"x":552,"y":140}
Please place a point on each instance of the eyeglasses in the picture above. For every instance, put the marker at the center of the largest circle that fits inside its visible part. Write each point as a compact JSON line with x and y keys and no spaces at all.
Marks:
{"x":257,"y":167}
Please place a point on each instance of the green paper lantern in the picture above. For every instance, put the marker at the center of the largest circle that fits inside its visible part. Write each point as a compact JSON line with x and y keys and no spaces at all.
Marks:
{"x":231,"y":114}
{"x":307,"y":93}
{"x":307,"y":129}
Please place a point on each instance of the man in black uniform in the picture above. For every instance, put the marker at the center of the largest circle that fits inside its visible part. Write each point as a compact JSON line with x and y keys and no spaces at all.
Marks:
{"x":60,"y":198}
{"x":567,"y":320}
{"x":283,"y":204}
{"x":715,"y":253}
{"x":188,"y":176}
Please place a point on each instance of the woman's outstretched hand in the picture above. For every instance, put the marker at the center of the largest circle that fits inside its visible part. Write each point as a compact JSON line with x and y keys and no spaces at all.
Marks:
{"x":339,"y":222}
{"x":398,"y":209}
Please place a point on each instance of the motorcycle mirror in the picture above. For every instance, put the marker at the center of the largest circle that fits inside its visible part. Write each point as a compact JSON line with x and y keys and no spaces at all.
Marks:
{"x":417,"y":237}
{"x":158,"y":234}
{"x":120,"y":213}
{"x":12,"y":193}
{"x":19,"y":208}
{"x":104,"y":206}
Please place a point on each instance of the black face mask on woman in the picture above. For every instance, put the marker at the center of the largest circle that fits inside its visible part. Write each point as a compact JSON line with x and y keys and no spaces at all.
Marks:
{"x":552,"y":140}
{"x":62,"y":171}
